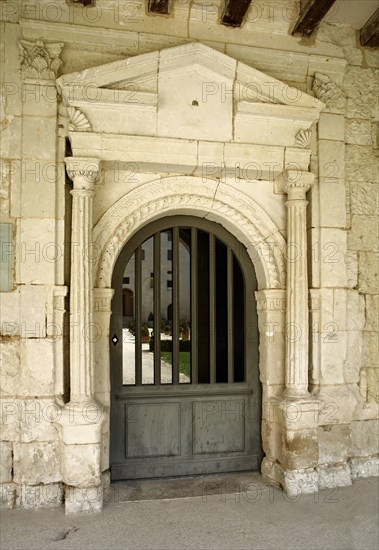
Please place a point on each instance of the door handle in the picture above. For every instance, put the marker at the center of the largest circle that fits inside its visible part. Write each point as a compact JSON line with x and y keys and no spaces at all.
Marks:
{"x":114,"y":339}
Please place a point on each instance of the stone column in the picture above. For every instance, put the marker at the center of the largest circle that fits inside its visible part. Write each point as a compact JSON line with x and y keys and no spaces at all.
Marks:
{"x":82,"y":418}
{"x":83,"y":173}
{"x":295,"y":184}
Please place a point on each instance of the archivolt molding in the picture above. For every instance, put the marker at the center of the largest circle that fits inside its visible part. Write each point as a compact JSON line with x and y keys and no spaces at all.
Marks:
{"x":191,"y":196}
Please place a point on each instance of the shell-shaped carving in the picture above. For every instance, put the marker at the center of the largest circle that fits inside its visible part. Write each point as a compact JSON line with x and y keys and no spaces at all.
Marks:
{"x":303,"y":139}
{"x":78,"y":121}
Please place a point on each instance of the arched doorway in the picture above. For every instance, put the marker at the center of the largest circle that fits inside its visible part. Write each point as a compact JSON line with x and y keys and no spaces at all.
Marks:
{"x":185,"y":392}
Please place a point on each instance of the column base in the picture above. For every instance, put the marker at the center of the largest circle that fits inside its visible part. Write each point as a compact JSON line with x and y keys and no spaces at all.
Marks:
{"x":296,"y":393}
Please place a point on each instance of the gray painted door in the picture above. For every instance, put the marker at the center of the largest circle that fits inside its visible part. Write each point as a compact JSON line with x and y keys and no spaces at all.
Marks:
{"x":184,"y":353}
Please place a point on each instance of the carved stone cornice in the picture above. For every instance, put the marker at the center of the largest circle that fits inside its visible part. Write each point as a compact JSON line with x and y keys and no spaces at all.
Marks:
{"x":328,"y":91}
{"x":83,"y":172}
{"x":40,"y":61}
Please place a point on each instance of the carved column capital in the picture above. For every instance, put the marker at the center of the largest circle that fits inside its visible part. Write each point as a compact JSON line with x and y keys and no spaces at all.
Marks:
{"x":83,"y":172}
{"x":328,"y":91}
{"x":40,"y":61}
{"x":294,"y":183}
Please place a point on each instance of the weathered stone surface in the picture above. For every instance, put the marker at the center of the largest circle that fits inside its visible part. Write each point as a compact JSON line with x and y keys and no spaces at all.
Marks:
{"x":7,"y":495}
{"x":364,"y":198}
{"x":368,"y":273}
{"x":358,"y":132}
{"x":6,"y":461}
{"x":361,"y":164}
{"x":37,"y":371}
{"x":372,"y":309}
{"x":372,"y":381}
{"x":79,"y":500}
{"x":10,"y":414}
{"x":331,"y":127}
{"x":35,"y":420}
{"x":81,"y":465}
{"x":36,"y":463}
{"x":363,"y":234}
{"x":364,"y":438}
{"x":333,"y":443}
{"x":300,"y":482}
{"x":30,"y":497}
{"x":364,"y":467}
{"x":334,"y":476}
{"x":337,"y":404}
{"x":371,"y":348}
{"x":352,"y":268}
{"x":362,"y":88}
{"x":9,"y":367}
{"x":354,"y":356}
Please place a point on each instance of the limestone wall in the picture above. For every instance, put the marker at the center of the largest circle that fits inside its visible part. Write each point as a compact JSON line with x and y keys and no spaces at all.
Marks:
{"x":343,"y":221}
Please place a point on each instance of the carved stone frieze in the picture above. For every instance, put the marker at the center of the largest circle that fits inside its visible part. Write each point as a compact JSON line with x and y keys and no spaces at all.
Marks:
{"x":40,"y":61}
{"x":189,"y":194}
{"x":328,"y":91}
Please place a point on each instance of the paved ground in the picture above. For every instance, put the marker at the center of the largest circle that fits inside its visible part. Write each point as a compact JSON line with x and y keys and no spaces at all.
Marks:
{"x":128,"y":351}
{"x":227,"y":512}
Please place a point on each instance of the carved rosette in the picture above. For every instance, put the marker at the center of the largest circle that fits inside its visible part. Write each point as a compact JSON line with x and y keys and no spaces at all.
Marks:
{"x":328,"y":91}
{"x":40,"y":61}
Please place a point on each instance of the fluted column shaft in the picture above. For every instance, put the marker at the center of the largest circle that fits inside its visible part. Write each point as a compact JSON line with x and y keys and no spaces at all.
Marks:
{"x":83,"y":172}
{"x":296,"y":185}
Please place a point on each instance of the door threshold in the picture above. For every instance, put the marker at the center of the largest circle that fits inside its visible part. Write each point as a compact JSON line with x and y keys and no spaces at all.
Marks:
{"x":185,"y":487}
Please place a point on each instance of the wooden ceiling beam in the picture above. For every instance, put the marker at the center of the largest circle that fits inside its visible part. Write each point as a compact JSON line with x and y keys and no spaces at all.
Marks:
{"x":159,"y":6}
{"x":311,"y":14}
{"x":234,"y":12}
{"x":369,"y":35}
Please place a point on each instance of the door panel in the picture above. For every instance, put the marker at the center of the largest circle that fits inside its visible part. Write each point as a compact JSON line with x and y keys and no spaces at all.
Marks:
{"x":197,"y":418}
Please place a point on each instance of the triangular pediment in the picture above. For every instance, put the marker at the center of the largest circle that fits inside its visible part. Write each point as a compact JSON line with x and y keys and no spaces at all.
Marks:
{"x":190,"y":91}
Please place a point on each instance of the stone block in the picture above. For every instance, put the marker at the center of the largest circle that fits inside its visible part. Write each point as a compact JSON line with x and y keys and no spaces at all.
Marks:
{"x":355,"y":306}
{"x":39,"y":99}
{"x":330,"y":477}
{"x":300,"y":449}
{"x":333,"y":443}
{"x":36,"y":463}
{"x":337,"y":403}
{"x":364,"y":467}
{"x":37,"y":367}
{"x":352,"y":268}
{"x":83,"y":500}
{"x":36,"y":255}
{"x":38,"y":179}
{"x":81,"y":465}
{"x":364,"y":438}
{"x":31,"y":497}
{"x":7,"y":495}
{"x":38,"y":138}
{"x":32,"y":311}
{"x":361,"y":164}
{"x":332,"y":202}
{"x":331,"y":127}
{"x":371,"y":348}
{"x":35,"y":420}
{"x":331,"y":159}
{"x":6,"y":461}
{"x":10,"y":313}
{"x":10,"y":412}
{"x":358,"y":132}
{"x":368,"y":273}
{"x":300,"y":482}
{"x":372,"y":312}
{"x":10,"y":367}
{"x":362,"y":89}
{"x":332,"y":258}
{"x":364,"y":197}
{"x":354,"y":356}
{"x":364,"y":233}
{"x":372,"y":378}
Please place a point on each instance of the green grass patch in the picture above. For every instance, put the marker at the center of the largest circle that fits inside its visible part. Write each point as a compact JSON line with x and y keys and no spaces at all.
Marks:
{"x":184,"y":361}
